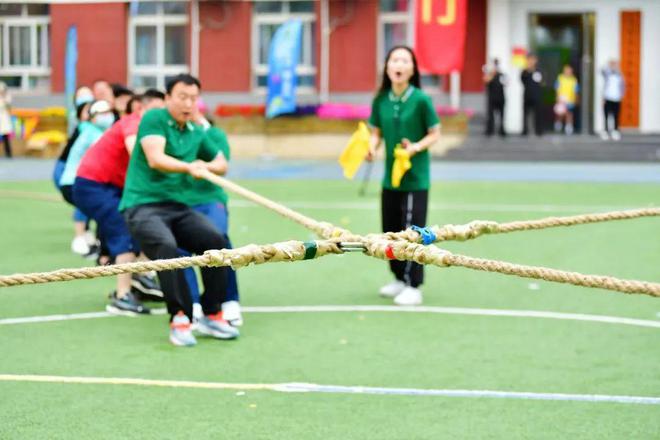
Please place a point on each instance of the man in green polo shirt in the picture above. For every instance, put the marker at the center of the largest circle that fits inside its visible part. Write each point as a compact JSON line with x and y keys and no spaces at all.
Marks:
{"x":211,"y":201}
{"x":205,"y":191}
{"x":170,"y":153}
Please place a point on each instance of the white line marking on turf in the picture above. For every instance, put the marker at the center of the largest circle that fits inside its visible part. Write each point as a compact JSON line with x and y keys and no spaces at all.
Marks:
{"x":374,"y":308}
{"x":133,"y":381}
{"x":67,"y":317}
{"x":460,"y":311}
{"x":293,"y":387}
{"x":51,"y":318}
{"x":336,"y":389}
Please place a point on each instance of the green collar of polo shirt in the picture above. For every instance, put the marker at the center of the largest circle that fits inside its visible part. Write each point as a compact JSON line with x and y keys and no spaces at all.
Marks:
{"x":404,"y":96}
{"x":173,"y":123}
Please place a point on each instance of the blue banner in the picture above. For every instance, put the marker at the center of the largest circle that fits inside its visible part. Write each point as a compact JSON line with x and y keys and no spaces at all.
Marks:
{"x":282,"y":61}
{"x":70,"y":62}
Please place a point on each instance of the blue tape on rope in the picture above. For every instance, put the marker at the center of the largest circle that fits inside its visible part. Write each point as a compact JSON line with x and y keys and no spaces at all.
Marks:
{"x":428,"y":237}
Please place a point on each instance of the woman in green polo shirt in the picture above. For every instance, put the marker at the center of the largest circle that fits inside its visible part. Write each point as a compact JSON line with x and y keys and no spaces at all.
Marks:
{"x":403,"y":115}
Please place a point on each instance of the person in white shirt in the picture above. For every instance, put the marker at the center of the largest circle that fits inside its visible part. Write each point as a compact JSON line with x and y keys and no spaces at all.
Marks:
{"x":6,"y":126}
{"x":613,"y":91}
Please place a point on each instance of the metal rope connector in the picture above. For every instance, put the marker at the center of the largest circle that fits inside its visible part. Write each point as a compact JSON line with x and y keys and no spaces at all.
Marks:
{"x":352,"y":246}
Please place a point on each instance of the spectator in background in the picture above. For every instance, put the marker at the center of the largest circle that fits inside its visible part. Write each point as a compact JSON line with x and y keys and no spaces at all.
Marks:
{"x":532,"y":80}
{"x":495,"y":81}
{"x":614,"y":88}
{"x":568,"y":90}
{"x":5,"y":118}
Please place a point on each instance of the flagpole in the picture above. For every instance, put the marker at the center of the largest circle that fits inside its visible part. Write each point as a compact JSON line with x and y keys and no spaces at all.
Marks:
{"x":365,"y":179}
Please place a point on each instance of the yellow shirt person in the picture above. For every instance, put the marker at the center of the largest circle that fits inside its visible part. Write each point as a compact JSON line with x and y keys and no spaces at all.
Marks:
{"x":567,"y":88}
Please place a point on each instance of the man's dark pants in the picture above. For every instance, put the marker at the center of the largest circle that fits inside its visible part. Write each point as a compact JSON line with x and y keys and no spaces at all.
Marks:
{"x":162,"y":228}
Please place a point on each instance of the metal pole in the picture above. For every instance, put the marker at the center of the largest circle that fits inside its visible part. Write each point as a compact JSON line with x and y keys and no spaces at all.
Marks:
{"x":587,"y":66}
{"x":455,"y":89}
{"x":325,"y":52}
{"x":194,"y":38}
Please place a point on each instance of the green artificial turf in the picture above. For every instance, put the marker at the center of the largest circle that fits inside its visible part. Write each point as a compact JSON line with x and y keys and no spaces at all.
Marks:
{"x":435,"y":351}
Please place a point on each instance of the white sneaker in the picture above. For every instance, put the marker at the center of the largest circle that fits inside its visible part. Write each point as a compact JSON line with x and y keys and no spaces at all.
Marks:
{"x":392,"y":289}
{"x":198,"y":314}
{"x":409,"y":296}
{"x":79,"y":245}
{"x":616,"y":136}
{"x":231,"y":312}
{"x":90,"y":238}
{"x":604,"y":135}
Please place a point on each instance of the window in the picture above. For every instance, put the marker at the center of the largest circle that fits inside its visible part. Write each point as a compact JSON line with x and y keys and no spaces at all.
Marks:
{"x":267,"y":16}
{"x":158,"y":42}
{"x":396,"y":28}
{"x":24,"y":46}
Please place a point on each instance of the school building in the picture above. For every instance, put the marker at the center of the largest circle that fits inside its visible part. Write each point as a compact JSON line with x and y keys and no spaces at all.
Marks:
{"x":585,"y":34}
{"x":225,"y":43}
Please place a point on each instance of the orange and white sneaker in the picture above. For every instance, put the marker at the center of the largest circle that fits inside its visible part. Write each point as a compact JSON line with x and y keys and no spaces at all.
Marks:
{"x":181,"y":332}
{"x":214,"y":325}
{"x":231,"y":312}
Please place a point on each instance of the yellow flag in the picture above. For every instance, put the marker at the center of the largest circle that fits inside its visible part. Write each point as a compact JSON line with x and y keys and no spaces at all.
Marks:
{"x":355,"y":152}
{"x":400,"y":166}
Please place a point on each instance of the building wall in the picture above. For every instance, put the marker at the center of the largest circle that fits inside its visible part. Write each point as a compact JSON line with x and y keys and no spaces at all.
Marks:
{"x":649,"y":93}
{"x":353,"y":46}
{"x":102,"y":42}
{"x":512,"y":15}
{"x":475,"y":47}
{"x":319,"y":38}
{"x":224,"y":62}
{"x":225,"y":46}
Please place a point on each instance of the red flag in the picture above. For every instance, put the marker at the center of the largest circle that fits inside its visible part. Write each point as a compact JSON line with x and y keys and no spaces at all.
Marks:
{"x":440,"y":35}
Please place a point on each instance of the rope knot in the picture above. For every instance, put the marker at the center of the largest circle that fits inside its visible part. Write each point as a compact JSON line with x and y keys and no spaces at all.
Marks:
{"x":216,"y":258}
{"x":483,"y":226}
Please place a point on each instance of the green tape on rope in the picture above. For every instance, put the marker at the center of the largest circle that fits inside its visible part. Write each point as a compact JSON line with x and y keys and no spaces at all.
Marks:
{"x":310,"y":250}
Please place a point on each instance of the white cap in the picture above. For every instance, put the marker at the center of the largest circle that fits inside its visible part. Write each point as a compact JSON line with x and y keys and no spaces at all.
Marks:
{"x":99,"y":107}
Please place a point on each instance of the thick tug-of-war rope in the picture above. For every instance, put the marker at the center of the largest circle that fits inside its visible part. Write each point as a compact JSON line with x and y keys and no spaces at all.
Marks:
{"x":403,"y":245}
{"x":322,"y":229}
{"x":236,"y":258}
{"x":478,"y":228}
{"x":298,"y":250}
{"x":407,"y":251}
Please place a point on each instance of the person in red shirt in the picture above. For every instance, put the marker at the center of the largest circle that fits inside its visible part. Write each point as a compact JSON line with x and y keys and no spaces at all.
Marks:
{"x":97,"y":191}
